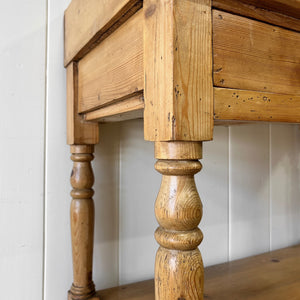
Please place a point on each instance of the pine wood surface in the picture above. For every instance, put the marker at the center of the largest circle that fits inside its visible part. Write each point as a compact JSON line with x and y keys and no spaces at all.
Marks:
{"x":179,"y":150}
{"x":178,"y":63}
{"x":253,"y":59}
{"x":269,"y":276}
{"x":252,"y":55}
{"x":165,"y":50}
{"x":119,"y":117}
{"x":78,"y":130}
{"x":287,"y":7}
{"x":178,"y":210}
{"x":134,"y":103}
{"x":114,"y":69}
{"x":82,"y":222}
{"x":232,"y":104}
{"x":243,"y":8}
{"x":87,"y":23}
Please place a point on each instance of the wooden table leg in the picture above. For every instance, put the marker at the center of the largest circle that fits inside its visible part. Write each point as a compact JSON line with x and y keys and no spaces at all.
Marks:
{"x":178,"y":209}
{"x":82,"y":223}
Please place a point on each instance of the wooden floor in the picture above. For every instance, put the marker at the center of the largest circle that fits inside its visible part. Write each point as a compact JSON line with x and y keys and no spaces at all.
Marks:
{"x":270,"y":276}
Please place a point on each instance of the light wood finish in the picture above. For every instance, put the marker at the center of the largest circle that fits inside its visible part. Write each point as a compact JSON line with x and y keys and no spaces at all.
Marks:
{"x":138,"y":291}
{"x":78,"y":130}
{"x":82,"y":223}
{"x":114,"y":69}
{"x":130,"y":115}
{"x":249,"y":10}
{"x":231,"y":104}
{"x":286,"y":7}
{"x":252,"y":55}
{"x":178,"y":150}
{"x":165,"y":51}
{"x":178,"y":210}
{"x":128,"y":105}
{"x":89,"y":22}
{"x":270,"y":276}
{"x":178,"y":63}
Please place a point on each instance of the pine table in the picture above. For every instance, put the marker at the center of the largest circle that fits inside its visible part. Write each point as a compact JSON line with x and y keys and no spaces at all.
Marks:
{"x":183,"y":66}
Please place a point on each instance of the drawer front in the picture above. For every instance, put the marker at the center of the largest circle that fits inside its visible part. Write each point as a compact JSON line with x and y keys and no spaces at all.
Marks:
{"x":252,"y":55}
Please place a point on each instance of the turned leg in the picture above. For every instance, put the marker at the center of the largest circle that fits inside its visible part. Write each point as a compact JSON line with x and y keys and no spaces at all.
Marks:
{"x":178,"y":210}
{"x":82,"y":223}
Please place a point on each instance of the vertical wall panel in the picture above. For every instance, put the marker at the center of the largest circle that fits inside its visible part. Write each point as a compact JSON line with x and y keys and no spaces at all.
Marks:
{"x":212,"y":184}
{"x":106,"y":170}
{"x":285,"y":185}
{"x":139,"y":186}
{"x":58,"y":267}
{"x":22,"y":80}
{"x":249,"y":190}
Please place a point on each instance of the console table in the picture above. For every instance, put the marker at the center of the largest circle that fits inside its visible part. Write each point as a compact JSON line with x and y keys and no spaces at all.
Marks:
{"x":184,"y":66}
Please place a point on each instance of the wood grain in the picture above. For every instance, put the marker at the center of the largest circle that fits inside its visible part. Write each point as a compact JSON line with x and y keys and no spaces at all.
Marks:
{"x":269,"y":276}
{"x":178,"y":210}
{"x":232,"y":104}
{"x":82,"y":223}
{"x":246,"y":9}
{"x":131,"y":104}
{"x":287,"y":7}
{"x":78,"y":130}
{"x":178,"y":65}
{"x":129,"y":115}
{"x":252,"y":55}
{"x":87,"y":23}
{"x":178,"y":150}
{"x":143,"y":290}
{"x":114,"y":69}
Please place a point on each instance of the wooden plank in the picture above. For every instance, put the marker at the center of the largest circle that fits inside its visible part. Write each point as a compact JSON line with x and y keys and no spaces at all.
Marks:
{"x":78,"y":130}
{"x":87,"y":23}
{"x":114,"y":69}
{"x":270,"y":276}
{"x":287,"y":7}
{"x":230,"y":122}
{"x":128,"y":105}
{"x":138,"y":291}
{"x":129,"y":115}
{"x":232,"y":104}
{"x":252,"y":55}
{"x":273,"y":275}
{"x":249,"y":10}
{"x":178,"y":65}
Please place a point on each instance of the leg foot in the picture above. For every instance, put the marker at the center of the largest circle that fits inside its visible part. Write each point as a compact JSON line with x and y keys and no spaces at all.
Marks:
{"x":72,"y":297}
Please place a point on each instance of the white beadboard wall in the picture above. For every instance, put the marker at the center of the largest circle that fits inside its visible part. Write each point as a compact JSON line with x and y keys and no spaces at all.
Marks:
{"x":249,"y":185}
{"x":22,"y":85}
